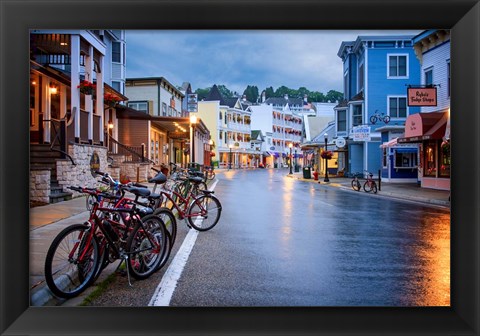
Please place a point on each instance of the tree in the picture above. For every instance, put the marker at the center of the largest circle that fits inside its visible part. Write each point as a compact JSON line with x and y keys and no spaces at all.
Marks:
{"x":252,"y":93}
{"x":202,"y":93}
{"x":269,"y":92}
{"x":333,"y":96}
{"x":226,"y":93}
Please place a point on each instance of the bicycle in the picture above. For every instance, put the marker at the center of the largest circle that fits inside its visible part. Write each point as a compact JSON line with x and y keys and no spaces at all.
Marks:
{"x":370,"y":184}
{"x":379,"y":117}
{"x":209,"y":173}
{"x":196,"y":208}
{"x":356,"y":182}
{"x":80,"y":252}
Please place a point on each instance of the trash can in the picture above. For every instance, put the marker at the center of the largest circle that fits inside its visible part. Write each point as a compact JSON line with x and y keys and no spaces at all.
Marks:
{"x":307,"y":172}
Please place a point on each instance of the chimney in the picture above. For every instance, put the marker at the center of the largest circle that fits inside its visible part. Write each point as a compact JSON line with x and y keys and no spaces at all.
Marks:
{"x":286,"y":96}
{"x":264,"y":96}
{"x":244,"y":97}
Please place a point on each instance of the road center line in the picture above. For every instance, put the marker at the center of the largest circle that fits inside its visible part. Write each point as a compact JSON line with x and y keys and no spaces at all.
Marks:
{"x":164,"y":291}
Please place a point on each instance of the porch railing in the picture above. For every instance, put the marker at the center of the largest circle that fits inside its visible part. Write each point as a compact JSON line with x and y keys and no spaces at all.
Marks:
{"x":58,"y":128}
{"x":131,"y":153}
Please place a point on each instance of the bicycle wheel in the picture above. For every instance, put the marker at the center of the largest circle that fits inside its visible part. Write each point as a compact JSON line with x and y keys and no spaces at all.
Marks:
{"x":211,"y":175}
{"x":72,"y":261}
{"x":197,"y":187}
{"x":374,"y":187}
{"x":169,"y":220}
{"x":367,"y":186}
{"x":373,"y":119}
{"x":146,"y":247}
{"x":204,"y":212}
{"x":386,"y":119}
{"x":356,"y":185}
{"x":90,"y":201}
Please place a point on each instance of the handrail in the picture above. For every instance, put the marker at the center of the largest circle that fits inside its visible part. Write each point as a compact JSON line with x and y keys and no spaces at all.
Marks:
{"x":58,"y":136}
{"x":136,"y":151}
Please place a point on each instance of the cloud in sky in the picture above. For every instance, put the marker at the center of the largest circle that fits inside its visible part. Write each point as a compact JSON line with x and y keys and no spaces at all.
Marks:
{"x":240,"y":58}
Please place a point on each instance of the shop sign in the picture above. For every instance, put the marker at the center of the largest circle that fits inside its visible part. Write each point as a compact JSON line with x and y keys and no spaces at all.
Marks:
{"x":361,"y":133}
{"x":422,"y":96}
{"x":192,"y":102}
{"x":94,"y":164}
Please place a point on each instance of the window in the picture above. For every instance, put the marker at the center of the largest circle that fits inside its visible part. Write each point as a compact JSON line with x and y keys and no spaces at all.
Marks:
{"x":361,"y":77}
{"x":342,"y":121}
{"x":384,"y":157}
{"x":346,"y":87}
{"x":448,"y":78}
{"x":429,"y":77}
{"x":357,"y":117}
{"x":116,"y":86}
{"x":397,"y":66}
{"x":116,"y":52}
{"x":444,"y":156}
{"x":430,"y":160}
{"x":141,"y":106}
{"x":164,"y":109}
{"x":220,"y":115}
{"x":405,"y":158}
{"x":220,"y":135}
{"x":397,"y":107}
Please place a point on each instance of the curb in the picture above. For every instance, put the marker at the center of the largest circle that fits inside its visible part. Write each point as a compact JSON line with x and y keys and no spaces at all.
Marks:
{"x":380,"y":193}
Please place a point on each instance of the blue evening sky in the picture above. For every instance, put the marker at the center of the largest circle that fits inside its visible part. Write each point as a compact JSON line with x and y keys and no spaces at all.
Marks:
{"x":240,"y":58}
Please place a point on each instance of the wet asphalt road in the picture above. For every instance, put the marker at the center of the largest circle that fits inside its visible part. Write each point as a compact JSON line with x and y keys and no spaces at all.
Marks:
{"x":285,"y":242}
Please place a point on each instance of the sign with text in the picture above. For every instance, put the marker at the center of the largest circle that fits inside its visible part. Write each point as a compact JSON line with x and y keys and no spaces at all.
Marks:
{"x":422,"y":96}
{"x":192,"y":102}
{"x":361,"y":133}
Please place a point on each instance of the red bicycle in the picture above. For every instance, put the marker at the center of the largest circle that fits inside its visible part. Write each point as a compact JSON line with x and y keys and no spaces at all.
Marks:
{"x":79,"y":252}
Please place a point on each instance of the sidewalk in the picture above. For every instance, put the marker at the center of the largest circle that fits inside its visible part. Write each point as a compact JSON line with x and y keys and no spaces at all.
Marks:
{"x":47,"y":221}
{"x":405,"y":191}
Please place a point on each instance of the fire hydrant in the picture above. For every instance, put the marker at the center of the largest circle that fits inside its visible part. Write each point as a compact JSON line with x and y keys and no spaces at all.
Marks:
{"x":315,"y":175}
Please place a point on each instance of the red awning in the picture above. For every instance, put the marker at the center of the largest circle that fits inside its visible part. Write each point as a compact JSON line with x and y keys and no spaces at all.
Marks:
{"x":425,"y":126}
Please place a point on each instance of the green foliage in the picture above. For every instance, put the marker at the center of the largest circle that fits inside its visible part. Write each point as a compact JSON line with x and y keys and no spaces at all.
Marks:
{"x":253,"y":94}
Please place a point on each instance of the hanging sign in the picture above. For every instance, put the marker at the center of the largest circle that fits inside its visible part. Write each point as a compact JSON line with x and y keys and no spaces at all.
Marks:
{"x":422,"y":96}
{"x":192,"y":102}
{"x":361,"y":133}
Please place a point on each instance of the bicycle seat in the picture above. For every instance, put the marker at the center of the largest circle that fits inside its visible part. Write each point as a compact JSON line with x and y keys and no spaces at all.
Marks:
{"x":143,"y":192}
{"x":195,"y":179}
{"x":155,"y":196}
{"x":158,"y":179}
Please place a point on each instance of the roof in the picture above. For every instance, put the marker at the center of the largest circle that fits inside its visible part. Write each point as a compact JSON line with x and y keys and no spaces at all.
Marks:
{"x":282,"y":101}
{"x":255,"y":134}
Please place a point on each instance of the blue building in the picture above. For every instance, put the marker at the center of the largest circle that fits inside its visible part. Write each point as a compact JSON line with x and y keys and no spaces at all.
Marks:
{"x":376,"y":73}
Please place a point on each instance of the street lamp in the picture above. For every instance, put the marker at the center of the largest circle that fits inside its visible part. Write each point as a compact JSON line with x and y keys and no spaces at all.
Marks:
{"x":290,"y":161}
{"x":193,"y":121}
{"x":296,"y":166}
{"x":326,"y":159}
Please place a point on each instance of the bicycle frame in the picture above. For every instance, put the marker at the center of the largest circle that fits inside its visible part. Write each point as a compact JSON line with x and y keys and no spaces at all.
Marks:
{"x":186,"y":205}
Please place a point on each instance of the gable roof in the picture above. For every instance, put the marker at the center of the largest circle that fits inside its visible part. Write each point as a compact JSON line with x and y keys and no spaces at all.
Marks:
{"x":257,"y":135}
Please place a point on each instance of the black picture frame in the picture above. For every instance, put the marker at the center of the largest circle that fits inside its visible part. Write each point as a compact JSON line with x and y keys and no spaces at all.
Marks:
{"x":17,"y":17}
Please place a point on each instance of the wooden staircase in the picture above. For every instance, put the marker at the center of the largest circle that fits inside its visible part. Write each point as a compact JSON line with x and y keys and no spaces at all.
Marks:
{"x":41,"y":155}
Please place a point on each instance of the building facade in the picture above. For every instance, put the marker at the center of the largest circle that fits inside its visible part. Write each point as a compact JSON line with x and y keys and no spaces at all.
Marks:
{"x":430,"y":129}
{"x":376,"y":73}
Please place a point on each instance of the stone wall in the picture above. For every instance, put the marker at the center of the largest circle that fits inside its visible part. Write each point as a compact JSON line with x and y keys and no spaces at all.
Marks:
{"x":80,"y":173}
{"x":40,"y":184}
{"x":136,"y":172}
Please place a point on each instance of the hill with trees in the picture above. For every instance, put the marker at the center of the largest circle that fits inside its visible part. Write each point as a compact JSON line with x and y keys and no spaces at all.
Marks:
{"x":252,"y":93}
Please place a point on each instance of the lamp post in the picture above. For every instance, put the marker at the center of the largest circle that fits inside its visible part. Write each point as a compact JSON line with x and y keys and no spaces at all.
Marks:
{"x":230,"y":157}
{"x":326,"y":160}
{"x":296,"y":169}
{"x":211,"y":151}
{"x":290,"y":161}
{"x":193,"y":121}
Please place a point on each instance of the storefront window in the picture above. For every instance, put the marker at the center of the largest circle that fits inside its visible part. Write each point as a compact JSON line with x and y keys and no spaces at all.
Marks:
{"x":405,"y":158}
{"x":430,"y":163}
{"x":384,"y":157}
{"x":444,"y":159}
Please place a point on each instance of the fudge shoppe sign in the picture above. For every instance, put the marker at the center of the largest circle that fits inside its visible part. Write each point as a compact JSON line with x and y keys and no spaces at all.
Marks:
{"x":426,"y":96}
